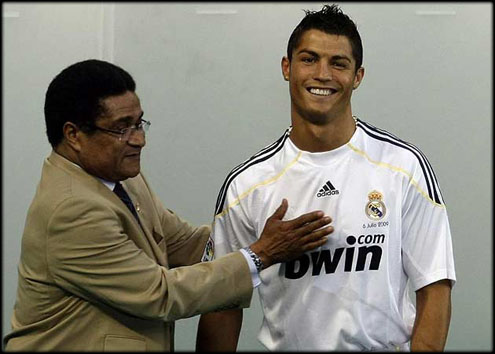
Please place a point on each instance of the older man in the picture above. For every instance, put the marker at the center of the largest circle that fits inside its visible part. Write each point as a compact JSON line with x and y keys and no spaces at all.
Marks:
{"x":104,"y":265}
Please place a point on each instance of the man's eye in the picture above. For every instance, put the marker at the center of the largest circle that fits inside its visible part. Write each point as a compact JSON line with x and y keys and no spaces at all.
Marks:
{"x":120,"y":128}
{"x":308,"y":60}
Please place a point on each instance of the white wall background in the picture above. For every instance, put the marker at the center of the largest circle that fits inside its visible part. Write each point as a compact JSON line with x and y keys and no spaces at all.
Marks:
{"x":209,"y":79}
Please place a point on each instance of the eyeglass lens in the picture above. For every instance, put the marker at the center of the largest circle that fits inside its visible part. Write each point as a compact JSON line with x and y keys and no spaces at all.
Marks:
{"x":141,"y":127}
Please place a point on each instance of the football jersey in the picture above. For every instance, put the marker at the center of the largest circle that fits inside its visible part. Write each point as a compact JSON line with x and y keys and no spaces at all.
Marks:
{"x":390,"y":224}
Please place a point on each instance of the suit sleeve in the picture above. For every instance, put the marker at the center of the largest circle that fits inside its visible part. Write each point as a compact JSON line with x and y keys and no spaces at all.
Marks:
{"x":185,"y":242}
{"x":90,"y":255}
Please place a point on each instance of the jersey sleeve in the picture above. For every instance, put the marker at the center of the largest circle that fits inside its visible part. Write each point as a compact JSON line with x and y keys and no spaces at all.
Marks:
{"x":231,"y":228}
{"x":426,"y":239}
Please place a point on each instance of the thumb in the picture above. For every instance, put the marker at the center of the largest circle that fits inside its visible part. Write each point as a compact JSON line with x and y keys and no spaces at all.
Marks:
{"x":281,"y":210}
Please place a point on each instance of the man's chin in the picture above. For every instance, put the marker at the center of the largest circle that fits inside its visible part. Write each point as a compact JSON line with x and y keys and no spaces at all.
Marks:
{"x":129,"y":174}
{"x":317,"y":118}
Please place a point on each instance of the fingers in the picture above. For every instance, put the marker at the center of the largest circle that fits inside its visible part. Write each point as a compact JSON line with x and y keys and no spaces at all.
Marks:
{"x":314,"y":244}
{"x":305,"y":219}
{"x":311,"y":226}
{"x":281,"y":210}
{"x":316,"y":238}
{"x":318,"y":234}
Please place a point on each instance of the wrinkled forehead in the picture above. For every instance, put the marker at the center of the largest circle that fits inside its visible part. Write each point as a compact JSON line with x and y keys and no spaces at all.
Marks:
{"x":126,"y":106}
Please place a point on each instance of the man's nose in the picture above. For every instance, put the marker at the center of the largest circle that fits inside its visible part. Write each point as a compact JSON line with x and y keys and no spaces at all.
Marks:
{"x":323,"y":71}
{"x":137,"y":138}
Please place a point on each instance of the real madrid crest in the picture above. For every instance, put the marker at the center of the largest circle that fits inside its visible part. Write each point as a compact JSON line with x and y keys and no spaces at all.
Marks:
{"x":375,"y":209}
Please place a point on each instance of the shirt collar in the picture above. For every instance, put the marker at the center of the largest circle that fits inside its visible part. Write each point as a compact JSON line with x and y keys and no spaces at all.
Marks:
{"x":110,"y":185}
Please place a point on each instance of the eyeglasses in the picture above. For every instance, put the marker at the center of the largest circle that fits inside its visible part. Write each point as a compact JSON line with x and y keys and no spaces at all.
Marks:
{"x":125,"y":134}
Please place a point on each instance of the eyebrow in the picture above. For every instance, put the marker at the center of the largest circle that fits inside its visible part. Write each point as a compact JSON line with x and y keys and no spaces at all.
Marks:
{"x":127,"y":119}
{"x":335,"y":57}
{"x":341,"y":57}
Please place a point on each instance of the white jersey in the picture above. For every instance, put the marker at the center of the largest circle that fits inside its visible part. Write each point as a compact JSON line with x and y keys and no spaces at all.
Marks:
{"x":390,"y":224}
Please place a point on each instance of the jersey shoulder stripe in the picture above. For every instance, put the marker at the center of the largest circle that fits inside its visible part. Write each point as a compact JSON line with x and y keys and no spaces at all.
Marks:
{"x":262,"y":155}
{"x":430,"y":178}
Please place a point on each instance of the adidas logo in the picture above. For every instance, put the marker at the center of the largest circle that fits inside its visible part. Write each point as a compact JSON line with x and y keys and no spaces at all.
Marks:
{"x":327,"y":189}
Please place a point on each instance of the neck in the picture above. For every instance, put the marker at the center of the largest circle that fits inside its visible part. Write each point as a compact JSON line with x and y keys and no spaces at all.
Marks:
{"x":312,"y":137}
{"x":65,"y":151}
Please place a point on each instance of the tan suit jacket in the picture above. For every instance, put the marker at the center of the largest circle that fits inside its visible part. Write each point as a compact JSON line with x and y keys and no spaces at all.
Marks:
{"x":91,"y":279}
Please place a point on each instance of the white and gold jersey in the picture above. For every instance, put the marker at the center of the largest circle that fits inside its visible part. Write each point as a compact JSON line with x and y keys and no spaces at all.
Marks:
{"x":391,"y":227}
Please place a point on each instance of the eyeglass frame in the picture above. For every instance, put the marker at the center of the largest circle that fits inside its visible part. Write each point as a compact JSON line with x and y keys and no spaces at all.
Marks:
{"x":142,"y":126}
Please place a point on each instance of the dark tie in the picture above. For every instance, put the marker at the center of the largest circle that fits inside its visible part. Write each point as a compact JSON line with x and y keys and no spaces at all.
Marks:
{"x":120,"y":191}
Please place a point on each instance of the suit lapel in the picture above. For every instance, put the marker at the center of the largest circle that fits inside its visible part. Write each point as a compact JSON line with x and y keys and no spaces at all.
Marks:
{"x":155,"y":240}
{"x":93,"y":185}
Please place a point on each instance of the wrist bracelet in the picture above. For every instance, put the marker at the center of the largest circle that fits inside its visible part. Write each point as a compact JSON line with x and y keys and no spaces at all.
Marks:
{"x":256,"y":259}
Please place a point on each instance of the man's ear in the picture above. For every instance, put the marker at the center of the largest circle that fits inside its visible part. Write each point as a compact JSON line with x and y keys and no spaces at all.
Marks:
{"x":72,"y":135}
{"x":358,"y":78}
{"x":285,"y":68}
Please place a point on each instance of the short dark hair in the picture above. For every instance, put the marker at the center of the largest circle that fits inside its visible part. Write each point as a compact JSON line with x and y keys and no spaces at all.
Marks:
{"x":75,"y":95}
{"x":330,"y":19}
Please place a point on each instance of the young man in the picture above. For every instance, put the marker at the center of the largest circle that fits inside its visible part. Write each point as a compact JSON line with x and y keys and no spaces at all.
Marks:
{"x":98,"y":246}
{"x":390,"y":221}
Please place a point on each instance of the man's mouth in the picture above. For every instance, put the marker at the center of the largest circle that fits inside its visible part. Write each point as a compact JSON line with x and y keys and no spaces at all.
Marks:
{"x":134,"y":155}
{"x":321,"y":91}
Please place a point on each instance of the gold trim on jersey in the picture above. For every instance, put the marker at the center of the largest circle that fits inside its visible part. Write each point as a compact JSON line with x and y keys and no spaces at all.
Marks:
{"x":263,"y":183}
{"x":398,"y":169}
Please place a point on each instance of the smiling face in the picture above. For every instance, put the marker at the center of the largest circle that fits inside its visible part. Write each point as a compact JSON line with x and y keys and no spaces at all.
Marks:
{"x":101,"y":153}
{"x":322,"y":75}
